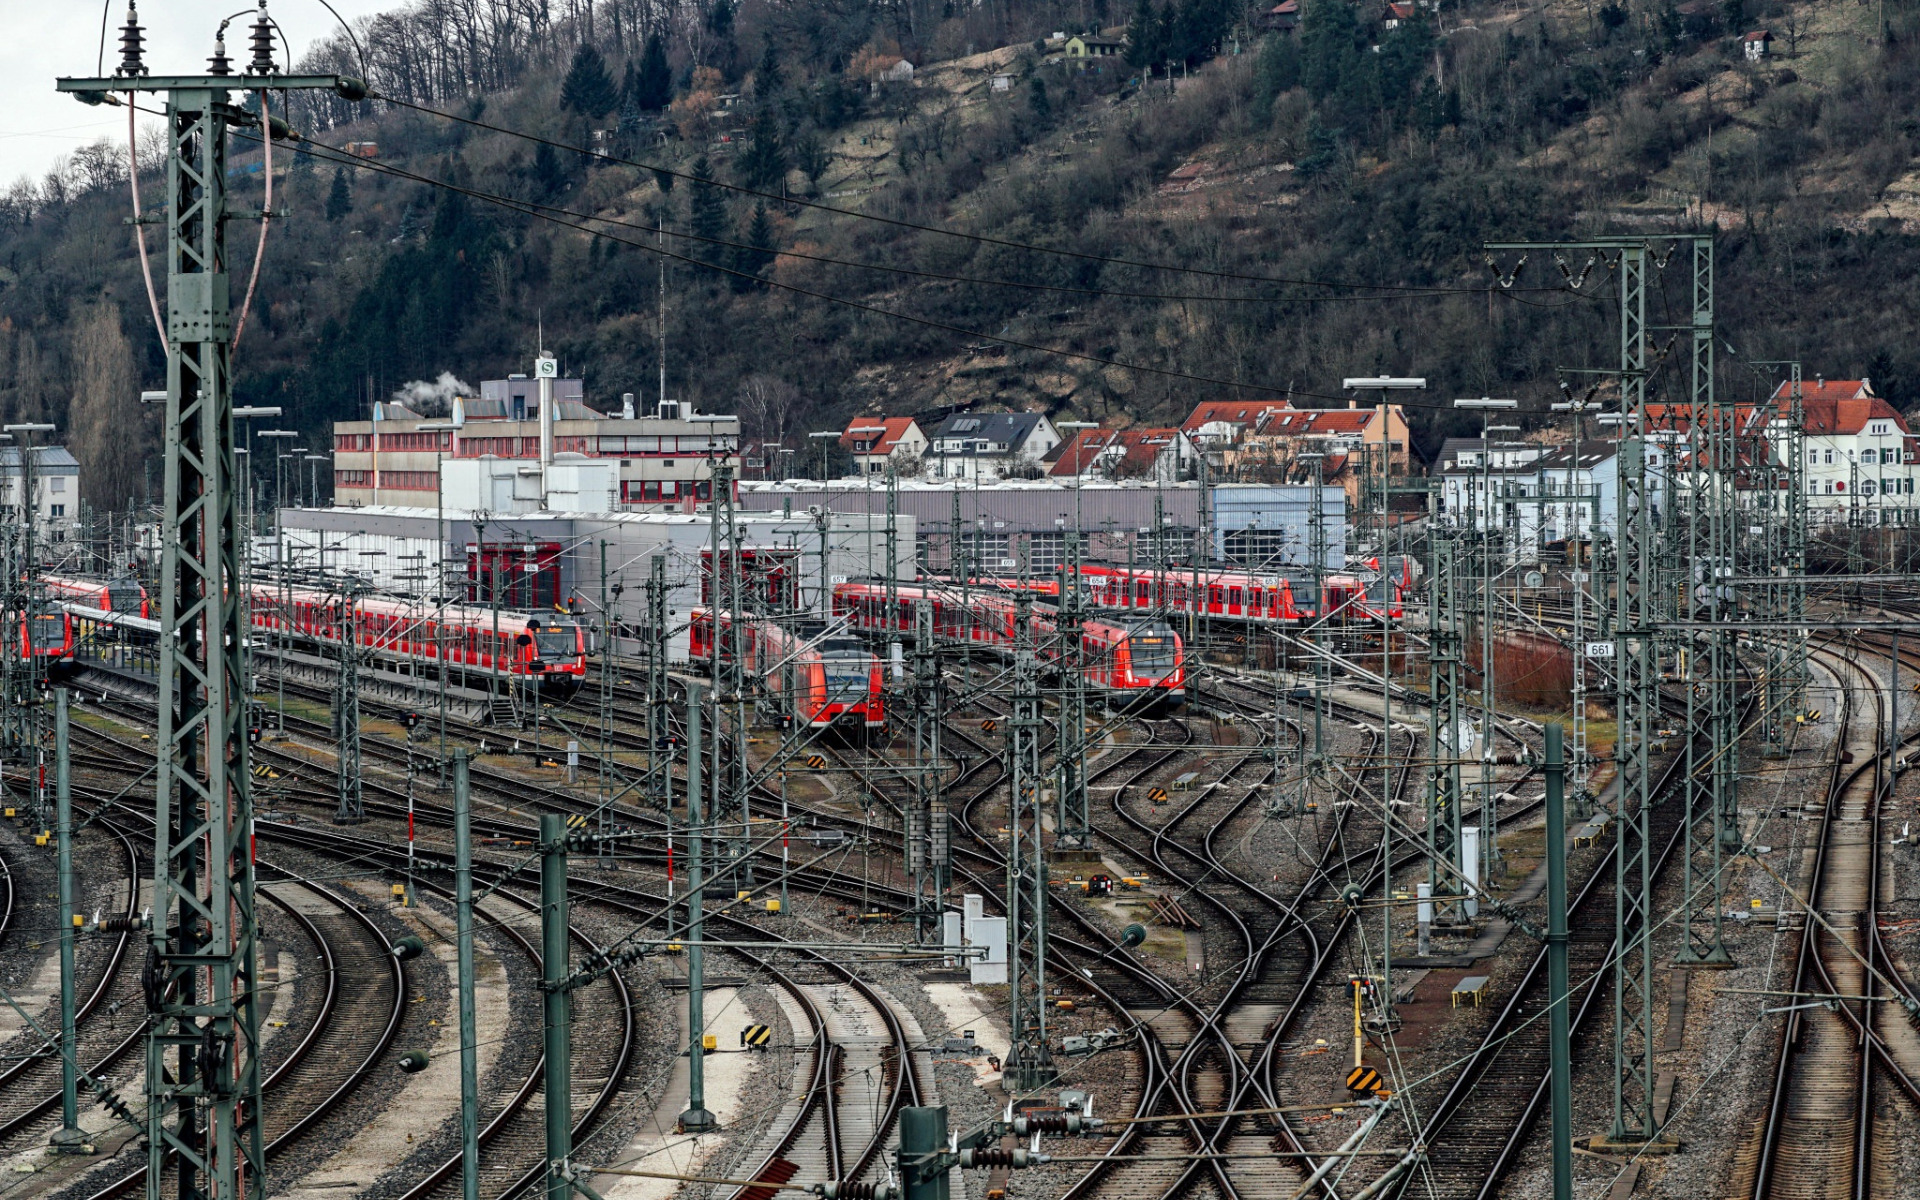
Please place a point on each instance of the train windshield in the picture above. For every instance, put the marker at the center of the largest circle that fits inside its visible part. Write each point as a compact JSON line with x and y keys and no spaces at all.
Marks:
{"x":849,"y":674}
{"x":557,"y":642}
{"x":1154,"y":651}
{"x":47,"y":631}
{"x":123,"y":596}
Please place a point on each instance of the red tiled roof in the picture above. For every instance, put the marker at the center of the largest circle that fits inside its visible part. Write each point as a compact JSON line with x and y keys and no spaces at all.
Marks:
{"x":1758,"y":35}
{"x":1139,"y":449}
{"x":883,"y":443}
{"x":1237,"y":412}
{"x":1400,"y":12}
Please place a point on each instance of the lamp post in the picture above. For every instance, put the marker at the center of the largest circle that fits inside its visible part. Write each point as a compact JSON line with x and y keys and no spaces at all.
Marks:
{"x":821,"y":436}
{"x":294,"y":452}
{"x":313,"y":477}
{"x":1489,"y":817}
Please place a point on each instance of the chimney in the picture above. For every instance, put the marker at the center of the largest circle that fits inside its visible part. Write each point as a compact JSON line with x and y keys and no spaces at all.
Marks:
{"x":1353,"y":402}
{"x":626,"y":406}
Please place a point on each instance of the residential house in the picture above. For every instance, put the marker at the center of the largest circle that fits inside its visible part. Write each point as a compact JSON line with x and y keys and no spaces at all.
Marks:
{"x":1216,"y":426}
{"x":1757,"y":45}
{"x":1586,"y":482}
{"x":1394,"y":14}
{"x":876,"y":441}
{"x":1537,"y":494}
{"x":56,"y":489}
{"x":1353,"y":441}
{"x":1860,"y":453}
{"x":1083,"y":48}
{"x":1159,"y":455}
{"x":991,"y":445}
{"x":1283,"y":17}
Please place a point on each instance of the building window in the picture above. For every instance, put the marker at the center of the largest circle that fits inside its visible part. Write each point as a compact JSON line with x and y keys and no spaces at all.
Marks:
{"x":1829,"y":458}
{"x":1045,"y":552}
{"x":57,"y":510}
{"x":59,"y":483}
{"x":1869,"y":457}
{"x":1813,"y":458}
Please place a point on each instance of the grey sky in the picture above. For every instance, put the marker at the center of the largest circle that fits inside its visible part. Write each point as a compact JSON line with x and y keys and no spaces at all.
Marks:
{"x":49,"y":38}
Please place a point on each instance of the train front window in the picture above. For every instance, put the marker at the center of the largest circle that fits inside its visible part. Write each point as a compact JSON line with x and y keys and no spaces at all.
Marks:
{"x":1153,"y":652}
{"x":848,"y":679}
{"x":555,"y":644}
{"x":46,"y":631}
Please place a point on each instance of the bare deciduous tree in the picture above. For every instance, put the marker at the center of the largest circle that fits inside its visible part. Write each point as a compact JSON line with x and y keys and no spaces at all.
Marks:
{"x":108,"y":431}
{"x":770,"y":408}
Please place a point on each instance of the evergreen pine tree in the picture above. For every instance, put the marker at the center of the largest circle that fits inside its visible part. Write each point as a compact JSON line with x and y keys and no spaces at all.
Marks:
{"x":629,"y":102}
{"x":1143,"y":36}
{"x":767,"y":78}
{"x":764,"y":164}
{"x":653,"y":85}
{"x":707,"y":212}
{"x":588,"y":88}
{"x":339,"y":196}
{"x":757,"y":254}
{"x":548,"y":175}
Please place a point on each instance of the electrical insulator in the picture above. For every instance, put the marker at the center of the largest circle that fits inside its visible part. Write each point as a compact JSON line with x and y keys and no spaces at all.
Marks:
{"x":262,"y":40}
{"x":220,"y":64}
{"x":131,"y":39}
{"x":1065,"y":1122}
{"x":995,"y":1156}
{"x":413,"y":1061}
{"x":407,"y":947}
{"x":122,"y":924}
{"x":848,"y":1189}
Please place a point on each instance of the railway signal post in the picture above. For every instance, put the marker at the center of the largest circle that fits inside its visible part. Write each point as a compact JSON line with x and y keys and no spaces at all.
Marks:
{"x":202,"y":1064}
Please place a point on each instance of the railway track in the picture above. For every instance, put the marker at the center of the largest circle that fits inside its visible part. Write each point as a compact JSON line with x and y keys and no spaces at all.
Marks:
{"x":30,"y":1087}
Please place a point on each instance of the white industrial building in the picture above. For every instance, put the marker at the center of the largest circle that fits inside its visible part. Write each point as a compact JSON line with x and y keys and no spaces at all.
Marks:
{"x":548,"y":560}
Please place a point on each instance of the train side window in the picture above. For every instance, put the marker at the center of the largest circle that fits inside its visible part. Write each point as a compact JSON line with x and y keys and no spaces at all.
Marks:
{"x":1233,"y":597}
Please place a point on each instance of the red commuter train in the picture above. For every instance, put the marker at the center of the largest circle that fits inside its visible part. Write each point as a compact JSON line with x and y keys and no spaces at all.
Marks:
{"x":45,"y":633}
{"x":113,"y":595}
{"x":1283,"y":598}
{"x":527,"y":645}
{"x":1137,"y":663}
{"x":830,"y":683}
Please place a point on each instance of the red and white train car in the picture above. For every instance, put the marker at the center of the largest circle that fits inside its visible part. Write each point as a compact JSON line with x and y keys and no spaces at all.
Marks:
{"x":1233,"y":595}
{"x":831,"y":683}
{"x":1139,"y":662}
{"x":124,"y":596}
{"x":526,"y":646}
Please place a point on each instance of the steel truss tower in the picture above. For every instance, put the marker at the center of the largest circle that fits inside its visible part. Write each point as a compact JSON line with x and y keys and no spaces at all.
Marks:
{"x":1636,"y":614}
{"x":351,"y":808}
{"x":659,"y":755}
{"x":1074,"y":827}
{"x":1712,"y":825}
{"x":1029,"y":1065}
{"x":729,"y":671}
{"x":928,"y":856}
{"x":202,"y":1065}
{"x":1443,"y":717}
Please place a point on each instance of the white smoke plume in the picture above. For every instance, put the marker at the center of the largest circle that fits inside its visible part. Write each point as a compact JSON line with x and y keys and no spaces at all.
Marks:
{"x":433,"y":399}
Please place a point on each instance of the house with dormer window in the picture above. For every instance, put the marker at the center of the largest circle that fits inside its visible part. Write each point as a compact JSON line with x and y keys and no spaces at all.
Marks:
{"x":990,"y":446}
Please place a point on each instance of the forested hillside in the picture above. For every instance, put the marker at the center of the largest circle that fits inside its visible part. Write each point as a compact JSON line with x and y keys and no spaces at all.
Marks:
{"x":1223,"y":210}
